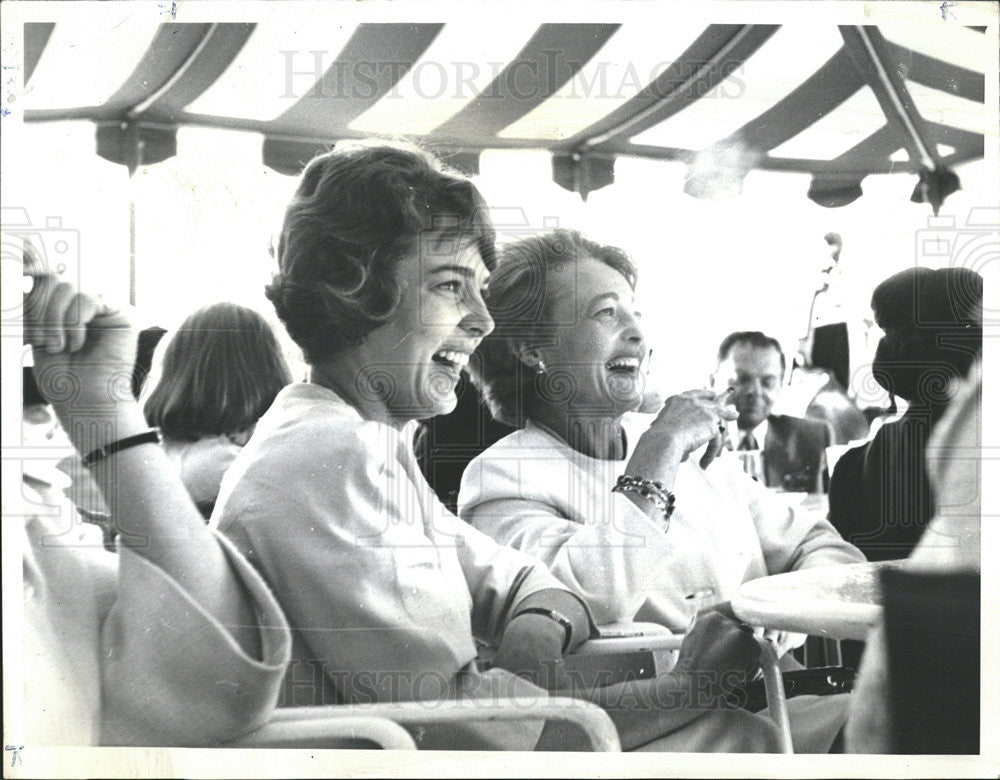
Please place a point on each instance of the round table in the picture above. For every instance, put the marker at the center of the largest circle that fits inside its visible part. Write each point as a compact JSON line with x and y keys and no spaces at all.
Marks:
{"x":837,"y":602}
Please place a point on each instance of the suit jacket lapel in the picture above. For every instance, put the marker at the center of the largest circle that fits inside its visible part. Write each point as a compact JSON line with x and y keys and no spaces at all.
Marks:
{"x":775,"y":451}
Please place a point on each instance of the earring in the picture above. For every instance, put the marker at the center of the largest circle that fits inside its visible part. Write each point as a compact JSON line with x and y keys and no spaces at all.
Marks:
{"x":541,"y":367}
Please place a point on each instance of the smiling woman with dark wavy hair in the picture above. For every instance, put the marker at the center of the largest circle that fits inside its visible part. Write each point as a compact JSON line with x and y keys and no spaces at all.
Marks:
{"x":355,"y":215}
{"x":382,"y":259}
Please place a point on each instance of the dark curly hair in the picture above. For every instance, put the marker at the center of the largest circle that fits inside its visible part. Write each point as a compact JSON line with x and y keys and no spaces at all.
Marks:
{"x":520,"y":301}
{"x":220,"y":372}
{"x":357,"y":211}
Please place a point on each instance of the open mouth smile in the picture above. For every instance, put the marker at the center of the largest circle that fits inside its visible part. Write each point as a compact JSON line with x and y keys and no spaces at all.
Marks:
{"x":451,"y":359}
{"x":627,"y":366}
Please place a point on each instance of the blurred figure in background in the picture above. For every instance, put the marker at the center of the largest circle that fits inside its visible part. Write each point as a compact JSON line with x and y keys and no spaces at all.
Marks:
{"x":830,"y":401}
{"x":793,"y":449}
{"x":918,"y":689}
{"x":821,"y":369}
{"x":880,"y":497}
{"x":220,"y":372}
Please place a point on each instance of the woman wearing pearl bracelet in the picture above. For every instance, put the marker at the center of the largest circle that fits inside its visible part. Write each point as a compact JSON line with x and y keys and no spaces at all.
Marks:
{"x":623,"y":508}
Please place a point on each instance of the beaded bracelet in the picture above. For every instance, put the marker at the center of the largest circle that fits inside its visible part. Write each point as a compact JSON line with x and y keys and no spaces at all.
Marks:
{"x":649,"y":489}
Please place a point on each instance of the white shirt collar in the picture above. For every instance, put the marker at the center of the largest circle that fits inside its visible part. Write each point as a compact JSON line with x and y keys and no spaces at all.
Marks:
{"x":736,"y":435}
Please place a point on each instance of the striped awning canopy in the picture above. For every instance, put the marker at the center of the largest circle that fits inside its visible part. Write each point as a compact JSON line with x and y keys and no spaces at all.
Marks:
{"x":837,"y":102}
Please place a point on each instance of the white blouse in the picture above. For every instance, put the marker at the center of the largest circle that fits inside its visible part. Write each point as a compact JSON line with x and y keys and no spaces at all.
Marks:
{"x":535,"y":493}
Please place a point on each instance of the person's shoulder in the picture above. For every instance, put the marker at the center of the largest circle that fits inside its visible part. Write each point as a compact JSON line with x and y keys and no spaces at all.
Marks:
{"x":308,"y":442}
{"x":202,"y":464}
{"x":308,"y":429}
{"x":307,"y":418}
{"x":522,"y":442}
{"x":516,"y":466}
{"x":208,"y":449}
{"x":791,"y":421}
{"x":499,"y":461}
{"x":850,"y":465}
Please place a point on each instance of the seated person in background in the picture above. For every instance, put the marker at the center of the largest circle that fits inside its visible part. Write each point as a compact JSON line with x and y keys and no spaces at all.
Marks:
{"x":587,"y":487}
{"x":382,"y":259}
{"x":918,"y":688}
{"x":793,"y":449}
{"x":880,"y":498}
{"x":220,"y":372}
{"x":130,"y":649}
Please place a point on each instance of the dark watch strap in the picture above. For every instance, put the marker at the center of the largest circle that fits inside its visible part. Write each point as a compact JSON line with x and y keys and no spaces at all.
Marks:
{"x":152,"y":436}
{"x":552,"y":614}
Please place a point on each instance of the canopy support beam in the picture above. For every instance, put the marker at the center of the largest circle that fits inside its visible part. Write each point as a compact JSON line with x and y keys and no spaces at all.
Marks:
{"x":870,"y":52}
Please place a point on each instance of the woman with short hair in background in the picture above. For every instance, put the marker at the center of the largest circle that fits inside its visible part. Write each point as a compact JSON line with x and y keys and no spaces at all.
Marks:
{"x":220,"y":371}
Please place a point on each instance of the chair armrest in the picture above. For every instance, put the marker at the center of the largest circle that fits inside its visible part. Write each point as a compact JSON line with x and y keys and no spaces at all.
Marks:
{"x":622,"y":651}
{"x":626,"y":651}
{"x":326,"y":731}
{"x":617,"y":638}
{"x":588,"y":718}
{"x":625,"y":637}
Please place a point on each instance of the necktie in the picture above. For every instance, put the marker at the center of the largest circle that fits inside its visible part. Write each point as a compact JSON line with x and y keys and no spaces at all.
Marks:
{"x":751,"y":456}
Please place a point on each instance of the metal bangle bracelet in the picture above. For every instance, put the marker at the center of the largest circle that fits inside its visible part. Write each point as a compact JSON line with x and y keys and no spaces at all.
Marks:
{"x":555,"y":615}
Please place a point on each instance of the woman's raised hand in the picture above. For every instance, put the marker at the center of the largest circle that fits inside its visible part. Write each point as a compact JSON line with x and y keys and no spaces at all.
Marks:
{"x":83,"y":349}
{"x":685,"y":423}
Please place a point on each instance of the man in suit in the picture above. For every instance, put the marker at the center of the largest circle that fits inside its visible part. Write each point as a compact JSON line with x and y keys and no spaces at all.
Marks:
{"x":793,"y":449}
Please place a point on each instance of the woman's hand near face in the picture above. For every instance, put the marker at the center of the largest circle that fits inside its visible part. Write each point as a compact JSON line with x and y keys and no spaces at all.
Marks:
{"x":685,"y":423}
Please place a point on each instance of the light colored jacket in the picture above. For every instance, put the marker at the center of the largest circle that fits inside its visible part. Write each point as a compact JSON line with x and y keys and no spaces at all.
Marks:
{"x":115,"y":652}
{"x":385,"y":589}
{"x":533,"y":492}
